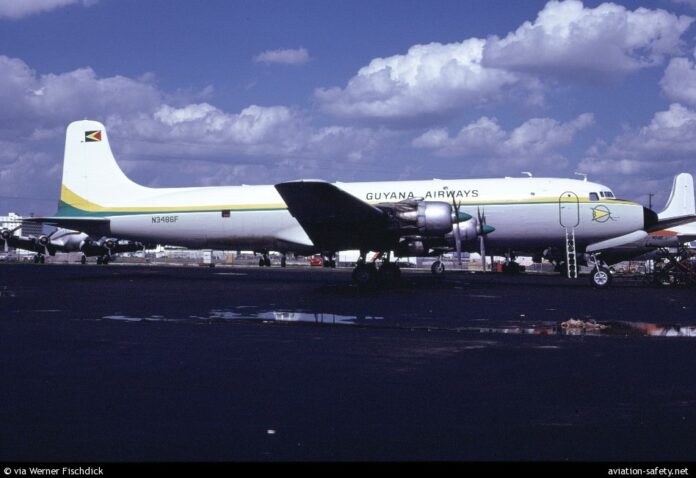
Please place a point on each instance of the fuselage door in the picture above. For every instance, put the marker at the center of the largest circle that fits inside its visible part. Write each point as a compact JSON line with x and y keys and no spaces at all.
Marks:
{"x":569,"y":209}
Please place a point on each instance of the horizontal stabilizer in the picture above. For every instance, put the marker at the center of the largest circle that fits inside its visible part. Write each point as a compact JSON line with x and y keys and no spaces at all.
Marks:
{"x":94,"y":226}
{"x":617,"y":241}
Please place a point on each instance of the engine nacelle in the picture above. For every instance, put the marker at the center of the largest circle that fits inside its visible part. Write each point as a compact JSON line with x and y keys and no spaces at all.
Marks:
{"x":468,"y":230}
{"x":86,"y":244}
{"x":410,"y":249}
{"x":5,"y":234}
{"x":427,"y":218}
{"x":43,"y":240}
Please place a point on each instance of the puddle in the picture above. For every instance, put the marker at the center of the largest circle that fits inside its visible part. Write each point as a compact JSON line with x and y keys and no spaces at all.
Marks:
{"x":6,"y":292}
{"x":291,"y":316}
{"x":571,"y":327}
{"x":152,"y":318}
{"x":594,"y":329}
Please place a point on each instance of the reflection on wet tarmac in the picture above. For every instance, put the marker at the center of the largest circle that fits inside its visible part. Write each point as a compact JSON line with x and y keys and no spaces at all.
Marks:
{"x":615,"y":329}
{"x":152,"y":318}
{"x":570,"y":327}
{"x":290,"y":316}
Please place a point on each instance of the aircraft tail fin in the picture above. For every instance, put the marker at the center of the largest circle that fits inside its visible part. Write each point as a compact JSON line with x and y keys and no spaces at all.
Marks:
{"x":91,"y":177}
{"x":681,"y":201}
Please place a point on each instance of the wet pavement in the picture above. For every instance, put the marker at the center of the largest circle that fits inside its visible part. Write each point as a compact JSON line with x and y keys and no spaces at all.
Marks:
{"x":133,"y":363}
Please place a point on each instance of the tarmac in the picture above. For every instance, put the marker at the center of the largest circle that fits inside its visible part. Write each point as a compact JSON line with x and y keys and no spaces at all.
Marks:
{"x":144,"y":363}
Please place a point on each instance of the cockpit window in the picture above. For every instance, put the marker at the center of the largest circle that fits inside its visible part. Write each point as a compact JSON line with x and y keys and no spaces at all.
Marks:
{"x":607,"y":194}
{"x":594,"y":197}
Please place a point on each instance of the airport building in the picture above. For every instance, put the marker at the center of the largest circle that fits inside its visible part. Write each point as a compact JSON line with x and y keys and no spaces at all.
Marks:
{"x":13,"y":220}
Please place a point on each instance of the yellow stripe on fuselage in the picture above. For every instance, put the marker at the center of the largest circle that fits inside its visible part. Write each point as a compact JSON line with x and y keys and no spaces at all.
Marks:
{"x":78,"y":202}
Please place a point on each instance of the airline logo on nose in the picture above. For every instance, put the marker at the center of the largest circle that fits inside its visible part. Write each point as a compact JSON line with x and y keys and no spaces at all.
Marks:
{"x":92,"y":136}
{"x":601,"y":214}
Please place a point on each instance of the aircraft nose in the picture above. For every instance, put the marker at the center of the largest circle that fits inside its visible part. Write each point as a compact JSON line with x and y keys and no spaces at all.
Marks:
{"x":649,"y":218}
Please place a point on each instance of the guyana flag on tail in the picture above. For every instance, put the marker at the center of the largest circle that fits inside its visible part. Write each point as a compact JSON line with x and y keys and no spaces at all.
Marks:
{"x":92,"y":136}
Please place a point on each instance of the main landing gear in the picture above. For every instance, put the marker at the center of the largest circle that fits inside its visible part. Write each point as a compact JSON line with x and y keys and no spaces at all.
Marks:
{"x":39,"y":259}
{"x":265,"y":260}
{"x":368,"y":274}
{"x":329,"y":260}
{"x":103,"y":260}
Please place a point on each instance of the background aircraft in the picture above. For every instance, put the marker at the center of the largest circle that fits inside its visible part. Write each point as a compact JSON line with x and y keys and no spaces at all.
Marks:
{"x":66,"y":240}
{"x":408,"y":218}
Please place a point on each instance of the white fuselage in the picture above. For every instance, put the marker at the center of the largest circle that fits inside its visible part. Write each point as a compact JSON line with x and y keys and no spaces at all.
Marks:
{"x":527,"y":213}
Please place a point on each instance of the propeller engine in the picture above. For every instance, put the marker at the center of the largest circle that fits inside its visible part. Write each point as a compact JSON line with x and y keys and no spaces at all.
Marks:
{"x":6,"y":234}
{"x":422,"y":224}
{"x":45,"y":242}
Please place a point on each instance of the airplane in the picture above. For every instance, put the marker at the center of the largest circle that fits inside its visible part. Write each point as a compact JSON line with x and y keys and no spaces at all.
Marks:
{"x":66,"y":240}
{"x":666,"y":240}
{"x":404,"y":218}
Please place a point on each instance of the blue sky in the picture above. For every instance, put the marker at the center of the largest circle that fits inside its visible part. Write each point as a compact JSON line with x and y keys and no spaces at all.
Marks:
{"x":256,"y":92}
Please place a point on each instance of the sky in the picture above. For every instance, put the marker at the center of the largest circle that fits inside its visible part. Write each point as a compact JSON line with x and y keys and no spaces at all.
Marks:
{"x":227,"y":92}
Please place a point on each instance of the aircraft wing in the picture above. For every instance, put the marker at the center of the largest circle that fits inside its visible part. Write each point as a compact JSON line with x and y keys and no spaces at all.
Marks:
{"x":333,"y":219}
{"x":94,"y":226}
{"x":25,"y":243}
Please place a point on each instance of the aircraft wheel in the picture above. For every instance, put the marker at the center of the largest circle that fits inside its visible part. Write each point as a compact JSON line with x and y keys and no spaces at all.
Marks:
{"x":363,"y":275}
{"x":99,"y":260}
{"x":83,"y":259}
{"x":600,"y":278}
{"x":283,"y":261}
{"x":106,"y":260}
{"x":438,"y":268}
{"x":267,"y":261}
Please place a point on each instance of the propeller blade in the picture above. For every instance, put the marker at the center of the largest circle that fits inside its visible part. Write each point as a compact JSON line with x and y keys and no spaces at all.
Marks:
{"x":482,"y":243}
{"x":483,"y":230}
{"x":457,"y":232}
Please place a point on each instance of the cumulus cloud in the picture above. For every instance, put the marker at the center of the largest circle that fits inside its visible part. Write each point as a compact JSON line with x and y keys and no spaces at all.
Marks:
{"x":431,"y":79}
{"x":567,"y":40}
{"x":15,"y":9}
{"x":645,"y":158}
{"x":298,"y":56}
{"x":33,"y":102}
{"x":534,"y":143}
{"x":149,"y":127}
{"x":669,"y":140}
{"x":609,"y":41}
{"x":679,"y":81}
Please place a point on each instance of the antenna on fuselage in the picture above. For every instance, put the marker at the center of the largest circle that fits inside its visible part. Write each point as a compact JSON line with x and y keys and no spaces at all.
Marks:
{"x":528,"y":173}
{"x":584,"y":175}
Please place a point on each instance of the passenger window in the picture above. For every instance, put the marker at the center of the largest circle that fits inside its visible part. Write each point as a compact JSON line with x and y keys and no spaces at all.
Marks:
{"x":594,"y":197}
{"x":225,"y":213}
